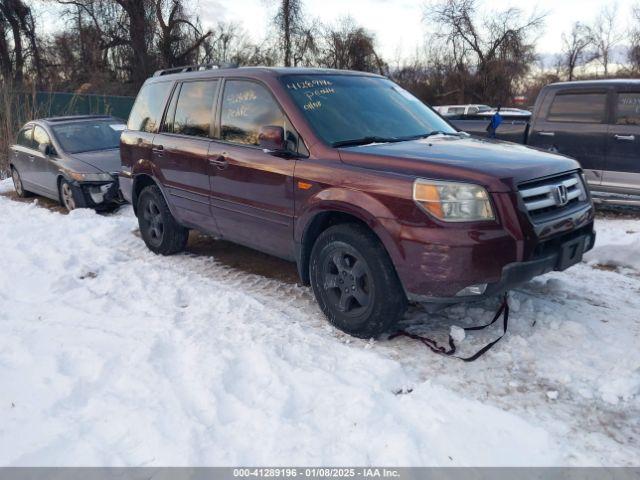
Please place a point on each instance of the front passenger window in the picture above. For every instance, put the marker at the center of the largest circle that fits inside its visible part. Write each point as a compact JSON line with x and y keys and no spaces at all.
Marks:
{"x":246,"y":107}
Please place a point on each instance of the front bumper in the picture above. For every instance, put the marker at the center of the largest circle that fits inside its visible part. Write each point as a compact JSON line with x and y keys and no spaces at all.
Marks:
{"x":436,"y":262}
{"x":98,"y":194}
{"x":516,"y":273}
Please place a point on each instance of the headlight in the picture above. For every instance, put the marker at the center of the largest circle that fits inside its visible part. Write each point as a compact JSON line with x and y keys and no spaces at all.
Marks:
{"x":91,"y":177}
{"x":452,"y":201}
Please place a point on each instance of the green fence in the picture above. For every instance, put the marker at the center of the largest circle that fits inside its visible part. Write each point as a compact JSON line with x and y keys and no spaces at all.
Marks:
{"x":53,"y":104}
{"x":16,"y":108}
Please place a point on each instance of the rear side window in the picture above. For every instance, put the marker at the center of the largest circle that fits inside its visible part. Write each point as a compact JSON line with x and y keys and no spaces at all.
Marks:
{"x":578,"y":108}
{"x":147,"y":111}
{"x":25,"y":137}
{"x":194,"y":109}
{"x":628,"y":109}
{"x":246,"y":107}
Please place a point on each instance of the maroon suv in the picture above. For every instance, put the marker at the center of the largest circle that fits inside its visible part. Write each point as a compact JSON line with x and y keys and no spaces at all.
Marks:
{"x":377,"y":199}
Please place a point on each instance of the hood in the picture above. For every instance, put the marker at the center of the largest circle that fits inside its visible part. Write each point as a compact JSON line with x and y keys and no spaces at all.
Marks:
{"x":496,"y":165}
{"x":107,"y":161}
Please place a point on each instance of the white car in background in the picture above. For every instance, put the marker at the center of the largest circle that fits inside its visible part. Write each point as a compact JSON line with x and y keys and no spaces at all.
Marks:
{"x":455,"y":110}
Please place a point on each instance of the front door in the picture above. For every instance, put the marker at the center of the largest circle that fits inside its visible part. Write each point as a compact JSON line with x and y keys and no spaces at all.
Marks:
{"x":22,"y":157}
{"x":252,"y":190}
{"x":576,"y":125}
{"x":622,"y":171}
{"x":45,"y":167}
{"x":180,"y":152}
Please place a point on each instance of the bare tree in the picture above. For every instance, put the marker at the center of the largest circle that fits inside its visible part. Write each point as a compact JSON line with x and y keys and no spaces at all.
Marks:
{"x":296,"y":36}
{"x":12,"y":14}
{"x":288,"y":19}
{"x":229,"y":44}
{"x":634,"y":48}
{"x":575,"y":48}
{"x":349,"y":46}
{"x":606,"y":35}
{"x":499,"y":47}
{"x":179,"y":38}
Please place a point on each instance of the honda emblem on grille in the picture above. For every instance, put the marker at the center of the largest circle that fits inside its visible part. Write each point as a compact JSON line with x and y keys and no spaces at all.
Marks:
{"x":562,"y":196}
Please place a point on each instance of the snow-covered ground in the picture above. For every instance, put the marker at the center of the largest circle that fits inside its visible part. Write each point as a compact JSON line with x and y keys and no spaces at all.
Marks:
{"x":110,"y":355}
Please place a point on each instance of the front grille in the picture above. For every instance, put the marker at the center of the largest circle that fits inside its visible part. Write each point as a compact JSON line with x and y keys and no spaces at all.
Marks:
{"x":552,"y":196}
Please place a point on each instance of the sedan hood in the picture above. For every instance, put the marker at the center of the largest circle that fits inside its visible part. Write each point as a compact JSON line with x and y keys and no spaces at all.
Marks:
{"x":498,"y":166}
{"x":107,"y":161}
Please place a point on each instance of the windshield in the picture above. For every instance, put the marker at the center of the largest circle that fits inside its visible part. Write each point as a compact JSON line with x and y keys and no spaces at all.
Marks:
{"x":344,"y":108}
{"x":89,"y":136}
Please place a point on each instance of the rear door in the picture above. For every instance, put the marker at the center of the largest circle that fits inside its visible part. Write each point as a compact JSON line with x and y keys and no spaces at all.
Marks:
{"x":180,"y":151}
{"x":136,"y":141}
{"x":252,"y":190}
{"x":575,"y":124}
{"x":622,"y":171}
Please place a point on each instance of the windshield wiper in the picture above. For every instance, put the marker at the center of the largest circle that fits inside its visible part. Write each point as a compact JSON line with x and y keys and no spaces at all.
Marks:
{"x":365,"y":141}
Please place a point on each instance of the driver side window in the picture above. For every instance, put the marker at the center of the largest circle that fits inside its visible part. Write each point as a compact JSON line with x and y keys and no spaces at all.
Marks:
{"x":40,"y":137}
{"x":246,"y":108}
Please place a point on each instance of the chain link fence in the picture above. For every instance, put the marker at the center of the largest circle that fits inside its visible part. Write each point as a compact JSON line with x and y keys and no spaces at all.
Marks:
{"x":18,"y":107}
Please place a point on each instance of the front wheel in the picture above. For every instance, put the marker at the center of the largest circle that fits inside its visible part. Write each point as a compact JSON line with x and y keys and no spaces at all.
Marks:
{"x":67,"y":196}
{"x":158,"y":228}
{"x":354,"y":281}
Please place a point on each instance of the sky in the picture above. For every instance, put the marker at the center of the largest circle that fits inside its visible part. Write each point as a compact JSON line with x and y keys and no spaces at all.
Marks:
{"x":399,"y":25}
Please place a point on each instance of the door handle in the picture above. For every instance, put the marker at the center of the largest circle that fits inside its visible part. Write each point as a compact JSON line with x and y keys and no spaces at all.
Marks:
{"x":220,"y":162}
{"x":158,"y":148}
{"x":547,"y":134}
{"x":625,"y":138}
{"x":32,"y":157}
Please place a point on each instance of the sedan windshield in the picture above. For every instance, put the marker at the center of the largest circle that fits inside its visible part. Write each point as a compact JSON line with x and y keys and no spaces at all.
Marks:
{"x":348,"y":110}
{"x":85,"y":136}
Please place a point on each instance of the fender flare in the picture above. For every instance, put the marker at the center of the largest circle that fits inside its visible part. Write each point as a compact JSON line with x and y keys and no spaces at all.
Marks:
{"x":144,"y":174}
{"x":357,"y":204}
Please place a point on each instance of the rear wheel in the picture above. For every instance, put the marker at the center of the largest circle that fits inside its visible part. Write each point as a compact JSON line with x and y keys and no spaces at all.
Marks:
{"x":159,"y":230}
{"x":354,"y":281}
{"x":17,"y":183}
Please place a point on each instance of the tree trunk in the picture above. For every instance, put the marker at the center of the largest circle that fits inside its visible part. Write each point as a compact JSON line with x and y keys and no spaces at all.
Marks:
{"x":286,"y":23}
{"x":140,"y":64}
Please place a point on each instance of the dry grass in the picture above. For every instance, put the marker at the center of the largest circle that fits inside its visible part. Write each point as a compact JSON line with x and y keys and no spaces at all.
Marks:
{"x":15,"y":110}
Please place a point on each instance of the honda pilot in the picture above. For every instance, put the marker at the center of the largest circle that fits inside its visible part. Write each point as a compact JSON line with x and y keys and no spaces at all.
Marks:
{"x":378,"y":199}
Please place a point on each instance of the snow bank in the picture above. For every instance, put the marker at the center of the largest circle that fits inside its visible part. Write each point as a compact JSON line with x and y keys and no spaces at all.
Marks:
{"x":617,"y":247}
{"x":110,"y":355}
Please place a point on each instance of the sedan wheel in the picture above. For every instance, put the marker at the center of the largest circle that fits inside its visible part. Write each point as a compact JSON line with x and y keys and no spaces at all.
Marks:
{"x":17,"y":183}
{"x":66,"y":194}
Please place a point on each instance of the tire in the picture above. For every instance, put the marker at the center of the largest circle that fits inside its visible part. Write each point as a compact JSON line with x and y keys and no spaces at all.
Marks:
{"x":159,"y":230}
{"x":355,"y":282}
{"x":68,"y":196}
{"x":18,"y":185}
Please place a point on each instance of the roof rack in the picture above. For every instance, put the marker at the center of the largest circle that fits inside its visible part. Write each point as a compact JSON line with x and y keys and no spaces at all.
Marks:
{"x":75,"y":117}
{"x":193,"y":68}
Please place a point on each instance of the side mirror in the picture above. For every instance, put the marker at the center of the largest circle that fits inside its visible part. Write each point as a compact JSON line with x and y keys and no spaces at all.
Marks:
{"x":271,"y":138}
{"x":45,"y":149}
